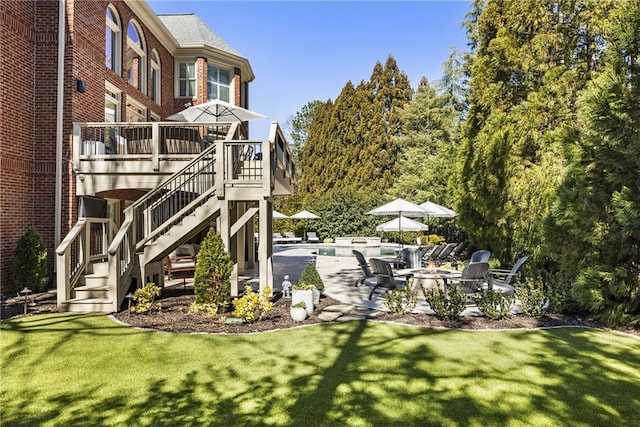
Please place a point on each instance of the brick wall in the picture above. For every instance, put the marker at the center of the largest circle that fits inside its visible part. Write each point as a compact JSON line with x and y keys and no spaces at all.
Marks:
{"x":17,"y":94}
{"x":28,"y":110}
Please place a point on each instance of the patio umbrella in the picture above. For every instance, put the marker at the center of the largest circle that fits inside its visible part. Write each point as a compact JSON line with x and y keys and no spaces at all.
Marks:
{"x":402,"y":223}
{"x":305,"y":215}
{"x":437,"y":211}
{"x":278,"y":215}
{"x":215,"y":111}
{"x":399,"y":207}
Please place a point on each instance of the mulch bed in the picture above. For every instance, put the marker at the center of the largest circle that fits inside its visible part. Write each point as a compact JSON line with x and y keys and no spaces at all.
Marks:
{"x":175,"y":317}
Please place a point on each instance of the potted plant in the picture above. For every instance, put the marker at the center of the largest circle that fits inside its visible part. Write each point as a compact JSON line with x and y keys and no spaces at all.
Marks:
{"x":303,"y":292}
{"x":299,"y":311}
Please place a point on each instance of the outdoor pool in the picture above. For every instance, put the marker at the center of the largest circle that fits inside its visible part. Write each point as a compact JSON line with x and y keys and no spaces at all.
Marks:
{"x":367,"y":251}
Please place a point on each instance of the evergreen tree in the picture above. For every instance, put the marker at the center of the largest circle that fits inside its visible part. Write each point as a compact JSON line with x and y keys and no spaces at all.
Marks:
{"x":350,"y":143}
{"x":526,"y":72}
{"x":299,"y":125}
{"x":427,"y":146}
{"x":597,"y":218}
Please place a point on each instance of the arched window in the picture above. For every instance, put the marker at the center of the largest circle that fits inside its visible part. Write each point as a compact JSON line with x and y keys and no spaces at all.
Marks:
{"x":113,"y":40}
{"x":156,"y":77}
{"x":136,"y":57}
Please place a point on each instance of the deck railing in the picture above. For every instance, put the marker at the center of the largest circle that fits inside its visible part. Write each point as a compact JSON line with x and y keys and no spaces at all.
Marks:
{"x":215,"y":164}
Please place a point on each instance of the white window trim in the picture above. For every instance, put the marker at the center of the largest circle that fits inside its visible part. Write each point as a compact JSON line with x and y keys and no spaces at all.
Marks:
{"x":116,"y":27}
{"x":140,"y":50}
{"x":155,"y":117}
{"x":111,"y":88}
{"x":155,"y":66}
{"x":231,"y":79}
{"x":143,"y":115}
{"x":177,"y":77}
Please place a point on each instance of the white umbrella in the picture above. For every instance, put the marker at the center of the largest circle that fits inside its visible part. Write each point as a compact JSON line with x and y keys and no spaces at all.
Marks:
{"x":402,"y":223}
{"x":278,"y":215}
{"x":305,"y":215}
{"x":215,"y":111}
{"x":437,"y":211}
{"x":399,"y":207}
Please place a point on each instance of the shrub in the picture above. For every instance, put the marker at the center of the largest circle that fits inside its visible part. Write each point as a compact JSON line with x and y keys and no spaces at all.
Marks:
{"x":299,"y":304}
{"x":211,"y":309}
{"x":495,"y":304}
{"x":401,"y":300}
{"x":30,"y":261}
{"x":310,"y":276}
{"x":531,"y":296}
{"x":145,"y":297}
{"x":253,"y":306}
{"x":328,"y":240}
{"x":213,"y":269}
{"x":447,"y":306}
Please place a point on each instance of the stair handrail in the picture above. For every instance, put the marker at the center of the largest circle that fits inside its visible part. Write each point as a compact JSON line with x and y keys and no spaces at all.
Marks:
{"x":68,"y":275}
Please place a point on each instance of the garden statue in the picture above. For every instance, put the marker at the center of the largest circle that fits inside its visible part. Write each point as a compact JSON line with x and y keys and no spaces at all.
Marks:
{"x":286,"y":287}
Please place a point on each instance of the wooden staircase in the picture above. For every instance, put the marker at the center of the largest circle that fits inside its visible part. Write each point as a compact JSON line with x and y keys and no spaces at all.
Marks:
{"x":97,"y":263}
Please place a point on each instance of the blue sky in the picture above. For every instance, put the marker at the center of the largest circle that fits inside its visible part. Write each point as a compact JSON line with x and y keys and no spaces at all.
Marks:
{"x":302,"y":51}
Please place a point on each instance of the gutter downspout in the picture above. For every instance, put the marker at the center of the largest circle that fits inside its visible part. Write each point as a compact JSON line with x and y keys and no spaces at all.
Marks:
{"x":59,"y":123}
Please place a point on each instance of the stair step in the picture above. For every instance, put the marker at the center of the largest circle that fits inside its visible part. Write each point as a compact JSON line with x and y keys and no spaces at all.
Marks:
{"x":101,"y":268}
{"x":99,"y":291}
{"x":88,"y":305}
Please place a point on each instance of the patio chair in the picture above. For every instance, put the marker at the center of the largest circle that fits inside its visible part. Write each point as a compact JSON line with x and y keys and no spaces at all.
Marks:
{"x":369,"y":278}
{"x":472,"y":280}
{"x":312,"y":237}
{"x":504,"y":278}
{"x":384,"y":275}
{"x":482,"y":255}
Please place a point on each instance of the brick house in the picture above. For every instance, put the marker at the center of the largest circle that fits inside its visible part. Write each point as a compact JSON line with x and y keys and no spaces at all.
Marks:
{"x":111,"y":62}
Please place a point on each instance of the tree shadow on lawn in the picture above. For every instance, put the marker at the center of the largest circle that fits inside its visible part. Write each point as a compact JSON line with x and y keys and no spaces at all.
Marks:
{"x":367,"y":373}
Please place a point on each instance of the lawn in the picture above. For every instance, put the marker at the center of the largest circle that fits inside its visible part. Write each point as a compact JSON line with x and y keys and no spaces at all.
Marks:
{"x":64,"y":369}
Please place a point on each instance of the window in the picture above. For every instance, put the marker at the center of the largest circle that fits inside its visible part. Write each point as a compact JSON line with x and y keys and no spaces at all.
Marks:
{"x":187,"y":79}
{"x":154,"y":117}
{"x":136,"y":58}
{"x":218,"y":83}
{"x":136,"y":112}
{"x":112,"y":46}
{"x":111,"y":103}
{"x":155,"y":77}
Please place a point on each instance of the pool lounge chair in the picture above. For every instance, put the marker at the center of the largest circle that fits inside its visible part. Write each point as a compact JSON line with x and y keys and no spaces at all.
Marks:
{"x":292,"y":237}
{"x":312,"y":237}
{"x":279,"y":238}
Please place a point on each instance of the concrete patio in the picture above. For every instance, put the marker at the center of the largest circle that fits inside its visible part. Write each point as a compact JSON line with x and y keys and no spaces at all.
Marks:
{"x":339,"y":274}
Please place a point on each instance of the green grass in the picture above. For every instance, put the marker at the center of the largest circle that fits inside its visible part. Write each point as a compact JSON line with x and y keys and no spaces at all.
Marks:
{"x":88,"y":370}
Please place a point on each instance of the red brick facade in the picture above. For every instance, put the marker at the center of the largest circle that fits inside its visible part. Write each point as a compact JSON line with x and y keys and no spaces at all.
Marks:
{"x":28,"y":107}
